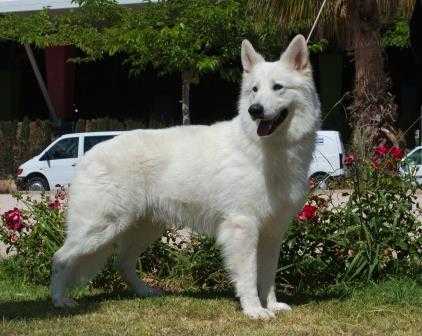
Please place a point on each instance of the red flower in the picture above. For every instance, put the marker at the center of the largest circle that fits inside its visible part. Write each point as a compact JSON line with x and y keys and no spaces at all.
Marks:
{"x":381,"y":150}
{"x":308,"y":212}
{"x":396,"y":153}
{"x":349,"y":159}
{"x":13,"y":220}
{"x":54,"y":205}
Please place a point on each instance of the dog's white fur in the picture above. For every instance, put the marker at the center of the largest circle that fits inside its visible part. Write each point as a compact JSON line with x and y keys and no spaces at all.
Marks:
{"x":222,"y":179}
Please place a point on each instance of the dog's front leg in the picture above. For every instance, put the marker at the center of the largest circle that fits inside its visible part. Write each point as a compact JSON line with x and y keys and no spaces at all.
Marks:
{"x":238,"y":237}
{"x":268,"y":254}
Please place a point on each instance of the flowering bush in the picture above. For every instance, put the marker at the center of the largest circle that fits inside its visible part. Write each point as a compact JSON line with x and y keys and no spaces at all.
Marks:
{"x":33,"y":234}
{"x":374,"y":234}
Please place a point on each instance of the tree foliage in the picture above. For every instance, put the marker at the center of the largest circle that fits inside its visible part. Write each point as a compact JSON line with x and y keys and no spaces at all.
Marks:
{"x":398,"y":35}
{"x":173,"y":36}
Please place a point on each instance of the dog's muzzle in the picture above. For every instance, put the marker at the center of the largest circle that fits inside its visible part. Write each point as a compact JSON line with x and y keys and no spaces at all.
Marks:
{"x":267,"y":127}
{"x":256,"y":111}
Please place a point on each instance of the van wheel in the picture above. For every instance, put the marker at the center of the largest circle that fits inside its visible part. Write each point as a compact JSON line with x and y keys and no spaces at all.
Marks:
{"x":37,"y":183}
{"x":321,"y":180}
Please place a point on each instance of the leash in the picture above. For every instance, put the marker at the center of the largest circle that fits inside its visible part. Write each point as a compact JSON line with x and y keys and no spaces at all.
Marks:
{"x":316,"y":21}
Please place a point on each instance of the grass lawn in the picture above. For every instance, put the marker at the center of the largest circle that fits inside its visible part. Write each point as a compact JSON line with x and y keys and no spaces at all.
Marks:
{"x":391,"y":308}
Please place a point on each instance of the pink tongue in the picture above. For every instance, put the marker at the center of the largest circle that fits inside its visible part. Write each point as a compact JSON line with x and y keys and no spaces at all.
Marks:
{"x":265,"y":127}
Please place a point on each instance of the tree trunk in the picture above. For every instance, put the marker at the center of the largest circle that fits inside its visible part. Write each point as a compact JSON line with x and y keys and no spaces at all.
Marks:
{"x":373,"y":107}
{"x":186,"y":82}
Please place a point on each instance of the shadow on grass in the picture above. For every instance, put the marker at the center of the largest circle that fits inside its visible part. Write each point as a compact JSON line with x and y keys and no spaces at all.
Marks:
{"x":42,"y":307}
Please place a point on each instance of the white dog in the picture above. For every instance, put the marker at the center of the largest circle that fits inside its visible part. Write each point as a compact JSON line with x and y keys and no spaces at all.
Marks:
{"x":241,"y":180}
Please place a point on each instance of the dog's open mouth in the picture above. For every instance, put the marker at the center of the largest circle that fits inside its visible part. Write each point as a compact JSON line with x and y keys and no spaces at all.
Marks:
{"x":267,"y":127}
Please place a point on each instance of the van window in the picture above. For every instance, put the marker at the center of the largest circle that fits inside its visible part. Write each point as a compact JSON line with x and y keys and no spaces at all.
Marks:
{"x":91,"y":141}
{"x":64,"y":149}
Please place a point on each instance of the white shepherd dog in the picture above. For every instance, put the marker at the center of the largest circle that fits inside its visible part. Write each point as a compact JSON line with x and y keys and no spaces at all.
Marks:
{"x":241,"y":180}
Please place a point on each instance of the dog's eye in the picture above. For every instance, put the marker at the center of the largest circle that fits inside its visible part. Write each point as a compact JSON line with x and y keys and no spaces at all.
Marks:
{"x":277,"y":87}
{"x":255,"y":89}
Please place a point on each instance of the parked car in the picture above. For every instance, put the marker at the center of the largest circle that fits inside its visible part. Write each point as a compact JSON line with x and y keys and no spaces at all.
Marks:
{"x":57,"y":163}
{"x":413,"y":161}
{"x":327,"y":158}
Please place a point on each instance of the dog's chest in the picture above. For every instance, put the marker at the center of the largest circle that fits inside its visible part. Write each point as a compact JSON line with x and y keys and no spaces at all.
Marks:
{"x":286,"y":178}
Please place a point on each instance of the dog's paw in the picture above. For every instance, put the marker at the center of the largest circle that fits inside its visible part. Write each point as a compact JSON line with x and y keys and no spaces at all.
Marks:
{"x":279,"y":307}
{"x":258,"y":313}
{"x":64,"y":303}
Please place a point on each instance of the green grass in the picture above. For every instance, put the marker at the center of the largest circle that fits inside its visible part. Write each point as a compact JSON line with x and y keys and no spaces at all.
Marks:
{"x":391,"y":308}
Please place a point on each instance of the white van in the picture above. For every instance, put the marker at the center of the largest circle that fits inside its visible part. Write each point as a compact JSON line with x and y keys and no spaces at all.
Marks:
{"x":327,"y":158}
{"x":57,"y":163}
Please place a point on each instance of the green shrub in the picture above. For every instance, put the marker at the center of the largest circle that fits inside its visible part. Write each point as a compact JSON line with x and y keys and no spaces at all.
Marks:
{"x":173,"y":262}
{"x":374,"y":235}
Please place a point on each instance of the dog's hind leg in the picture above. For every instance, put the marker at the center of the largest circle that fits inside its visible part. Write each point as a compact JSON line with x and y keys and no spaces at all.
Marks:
{"x":83,"y":254}
{"x":238,"y":237}
{"x":130,"y":246}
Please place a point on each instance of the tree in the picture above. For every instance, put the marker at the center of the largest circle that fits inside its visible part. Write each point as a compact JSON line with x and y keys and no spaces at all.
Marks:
{"x":355,"y":24}
{"x":189,"y":37}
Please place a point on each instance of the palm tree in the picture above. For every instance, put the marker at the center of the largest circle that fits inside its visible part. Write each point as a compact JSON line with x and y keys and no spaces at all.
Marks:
{"x":356,"y":25}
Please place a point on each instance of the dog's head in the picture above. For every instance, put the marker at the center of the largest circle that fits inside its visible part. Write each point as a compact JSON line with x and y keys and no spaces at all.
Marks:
{"x":272,"y":92}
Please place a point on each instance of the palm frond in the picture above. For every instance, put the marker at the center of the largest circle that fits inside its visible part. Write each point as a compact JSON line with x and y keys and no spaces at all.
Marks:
{"x":291,"y":13}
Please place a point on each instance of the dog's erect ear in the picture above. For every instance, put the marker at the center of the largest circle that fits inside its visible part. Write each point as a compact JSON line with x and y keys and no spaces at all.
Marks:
{"x":297,"y":54}
{"x":249,"y":56}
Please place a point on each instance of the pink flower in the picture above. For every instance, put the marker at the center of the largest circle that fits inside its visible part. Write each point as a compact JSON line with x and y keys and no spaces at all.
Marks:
{"x":396,"y":153}
{"x":308,"y":212}
{"x":13,"y":220}
{"x":381,"y":150}
{"x":54,"y":205}
{"x":349,"y":159}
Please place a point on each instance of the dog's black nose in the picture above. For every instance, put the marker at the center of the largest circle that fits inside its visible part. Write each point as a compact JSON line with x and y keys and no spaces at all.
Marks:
{"x":256,"y":111}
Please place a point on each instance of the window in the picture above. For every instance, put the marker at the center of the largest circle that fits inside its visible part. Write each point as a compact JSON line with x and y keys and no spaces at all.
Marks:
{"x":91,"y":141}
{"x":64,"y":149}
{"x":416,"y":157}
